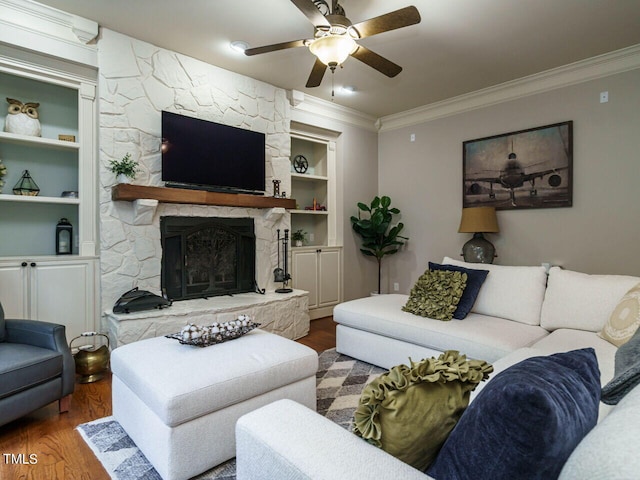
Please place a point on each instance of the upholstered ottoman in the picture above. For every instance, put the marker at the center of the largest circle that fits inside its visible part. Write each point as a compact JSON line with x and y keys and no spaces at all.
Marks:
{"x":180,"y":403}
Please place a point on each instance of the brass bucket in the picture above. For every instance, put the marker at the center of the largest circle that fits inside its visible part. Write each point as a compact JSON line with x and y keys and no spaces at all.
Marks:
{"x":91,"y":361}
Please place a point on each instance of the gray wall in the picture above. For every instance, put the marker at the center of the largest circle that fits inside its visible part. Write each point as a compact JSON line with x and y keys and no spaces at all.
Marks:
{"x":600,"y":233}
{"x":360,"y":176}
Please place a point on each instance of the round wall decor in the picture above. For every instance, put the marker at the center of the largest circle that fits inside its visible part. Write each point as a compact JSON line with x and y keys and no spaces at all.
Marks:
{"x":300,"y":163}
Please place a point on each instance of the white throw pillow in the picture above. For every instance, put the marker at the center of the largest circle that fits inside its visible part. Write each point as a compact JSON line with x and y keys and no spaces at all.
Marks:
{"x":581,"y":301}
{"x":511,"y":292}
{"x":625,"y":319}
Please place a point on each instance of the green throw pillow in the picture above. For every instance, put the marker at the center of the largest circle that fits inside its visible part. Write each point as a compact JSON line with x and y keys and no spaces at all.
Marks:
{"x":410,"y":411}
{"x":436,"y":294}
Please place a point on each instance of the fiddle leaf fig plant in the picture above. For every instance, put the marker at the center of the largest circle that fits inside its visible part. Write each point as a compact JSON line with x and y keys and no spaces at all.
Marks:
{"x":379,"y":237}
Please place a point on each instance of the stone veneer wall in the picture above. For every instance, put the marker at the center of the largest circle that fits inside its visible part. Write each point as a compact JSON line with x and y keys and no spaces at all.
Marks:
{"x":136,"y":82}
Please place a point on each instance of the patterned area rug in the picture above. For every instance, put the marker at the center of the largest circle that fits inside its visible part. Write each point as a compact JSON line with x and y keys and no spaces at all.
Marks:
{"x":340,"y":381}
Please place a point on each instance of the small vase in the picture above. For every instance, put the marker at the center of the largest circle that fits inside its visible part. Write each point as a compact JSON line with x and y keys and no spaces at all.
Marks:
{"x":122,"y":178}
{"x":298,"y":243}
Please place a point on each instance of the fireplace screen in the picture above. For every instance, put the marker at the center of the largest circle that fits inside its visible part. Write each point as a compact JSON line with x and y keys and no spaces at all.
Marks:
{"x":205,"y":257}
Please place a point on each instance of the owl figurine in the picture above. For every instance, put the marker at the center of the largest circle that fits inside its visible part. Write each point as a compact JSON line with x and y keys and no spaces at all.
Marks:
{"x":22,"y":118}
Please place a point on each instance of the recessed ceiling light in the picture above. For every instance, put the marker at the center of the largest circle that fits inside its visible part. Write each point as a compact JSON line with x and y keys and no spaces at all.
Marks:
{"x":348,"y":89}
{"x":239,"y":46}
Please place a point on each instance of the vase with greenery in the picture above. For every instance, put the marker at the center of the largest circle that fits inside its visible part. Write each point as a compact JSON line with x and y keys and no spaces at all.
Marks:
{"x":298,"y":237}
{"x":125,"y":169}
{"x":379,"y":237}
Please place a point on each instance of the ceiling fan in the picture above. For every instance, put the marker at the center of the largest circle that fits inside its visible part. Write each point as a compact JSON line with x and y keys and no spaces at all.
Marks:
{"x":334,"y":38}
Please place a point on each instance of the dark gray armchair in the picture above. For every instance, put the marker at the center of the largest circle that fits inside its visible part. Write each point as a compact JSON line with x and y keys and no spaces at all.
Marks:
{"x":36,"y":367}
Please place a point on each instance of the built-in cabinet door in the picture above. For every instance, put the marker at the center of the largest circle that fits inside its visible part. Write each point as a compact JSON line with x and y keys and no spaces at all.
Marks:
{"x":14,"y":289}
{"x":62,"y":293}
{"x":305,"y":274}
{"x":318,"y":270}
{"x":57,"y":291}
{"x":328,"y":276}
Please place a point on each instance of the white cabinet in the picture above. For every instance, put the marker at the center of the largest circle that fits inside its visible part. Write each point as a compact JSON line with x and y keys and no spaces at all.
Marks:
{"x":318,"y":270}
{"x":52,"y":290}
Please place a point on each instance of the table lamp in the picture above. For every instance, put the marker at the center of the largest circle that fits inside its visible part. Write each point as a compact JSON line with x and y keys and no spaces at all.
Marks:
{"x":478,"y":220}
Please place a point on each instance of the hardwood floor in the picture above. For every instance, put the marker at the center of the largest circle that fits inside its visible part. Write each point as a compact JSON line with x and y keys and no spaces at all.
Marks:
{"x":45,"y":445}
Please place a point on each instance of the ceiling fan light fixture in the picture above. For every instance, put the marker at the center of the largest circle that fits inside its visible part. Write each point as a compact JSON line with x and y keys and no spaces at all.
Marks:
{"x":333,"y":50}
{"x":353,"y":32}
{"x":239,"y":46}
{"x":348,"y":90}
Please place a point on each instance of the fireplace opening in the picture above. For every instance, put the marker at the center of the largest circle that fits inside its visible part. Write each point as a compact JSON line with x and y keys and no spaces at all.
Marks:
{"x":207,"y":256}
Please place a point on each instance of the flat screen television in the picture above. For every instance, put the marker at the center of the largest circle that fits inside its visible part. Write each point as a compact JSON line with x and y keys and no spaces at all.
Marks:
{"x":205,"y":155}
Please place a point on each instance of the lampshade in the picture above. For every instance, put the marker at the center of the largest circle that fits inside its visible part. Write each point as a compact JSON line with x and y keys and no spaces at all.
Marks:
{"x":333,"y":50}
{"x":479,"y":220}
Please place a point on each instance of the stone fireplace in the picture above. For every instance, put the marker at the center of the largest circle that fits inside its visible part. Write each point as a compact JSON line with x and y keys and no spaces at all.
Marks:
{"x":137,"y":82}
{"x":206,"y":257}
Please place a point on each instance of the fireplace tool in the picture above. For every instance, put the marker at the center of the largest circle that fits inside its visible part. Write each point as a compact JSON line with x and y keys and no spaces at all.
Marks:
{"x":282,"y":274}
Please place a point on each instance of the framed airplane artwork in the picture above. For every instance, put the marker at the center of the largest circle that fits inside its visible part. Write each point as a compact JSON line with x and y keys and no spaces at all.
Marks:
{"x":525,"y":169}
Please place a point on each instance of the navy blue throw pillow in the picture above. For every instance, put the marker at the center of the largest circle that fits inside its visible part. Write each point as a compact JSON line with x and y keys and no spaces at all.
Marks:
{"x":475,"y":279}
{"x":526,"y":422}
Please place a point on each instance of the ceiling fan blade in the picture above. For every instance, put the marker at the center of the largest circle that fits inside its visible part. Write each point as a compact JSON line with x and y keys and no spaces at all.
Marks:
{"x":317,"y":72}
{"x":274,"y":47}
{"x":311,"y":12}
{"x":384,"y":66}
{"x":389,"y":21}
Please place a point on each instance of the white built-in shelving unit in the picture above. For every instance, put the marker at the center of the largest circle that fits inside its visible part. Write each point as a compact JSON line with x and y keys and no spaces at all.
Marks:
{"x":317,"y":265}
{"x":34,"y":281}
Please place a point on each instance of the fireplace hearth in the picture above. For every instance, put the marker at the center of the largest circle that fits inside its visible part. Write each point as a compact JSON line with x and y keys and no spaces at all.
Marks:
{"x":207,"y":256}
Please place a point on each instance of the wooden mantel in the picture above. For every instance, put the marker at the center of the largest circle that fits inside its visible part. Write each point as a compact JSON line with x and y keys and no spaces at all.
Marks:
{"x":129,"y":193}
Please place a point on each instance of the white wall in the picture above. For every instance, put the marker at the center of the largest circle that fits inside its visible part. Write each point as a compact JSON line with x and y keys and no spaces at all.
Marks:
{"x":600,"y":233}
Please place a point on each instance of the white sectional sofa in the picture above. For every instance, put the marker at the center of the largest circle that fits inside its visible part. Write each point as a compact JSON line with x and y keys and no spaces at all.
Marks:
{"x":520,"y":312}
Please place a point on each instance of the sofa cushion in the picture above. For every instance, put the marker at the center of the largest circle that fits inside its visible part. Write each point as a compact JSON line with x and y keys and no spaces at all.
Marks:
{"x":625,"y":319}
{"x":511,"y":292}
{"x":25,"y":366}
{"x":410,"y":410}
{"x":581,"y":301}
{"x":526,"y":421}
{"x":564,"y":340}
{"x":475,"y":279}
{"x":478,"y":336}
{"x":436,"y":294}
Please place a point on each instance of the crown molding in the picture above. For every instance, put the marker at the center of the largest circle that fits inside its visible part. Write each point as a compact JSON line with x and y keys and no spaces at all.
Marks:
{"x":612,"y":63}
{"x":303,"y":102}
{"x":33,"y":26}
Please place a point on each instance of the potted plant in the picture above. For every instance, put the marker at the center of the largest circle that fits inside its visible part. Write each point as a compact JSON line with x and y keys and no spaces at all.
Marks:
{"x":379,"y":238}
{"x":125,"y":169}
{"x":298,"y":237}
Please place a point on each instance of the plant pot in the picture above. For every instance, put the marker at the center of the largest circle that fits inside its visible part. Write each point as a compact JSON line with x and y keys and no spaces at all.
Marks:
{"x":122,"y":178}
{"x":298,"y":243}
